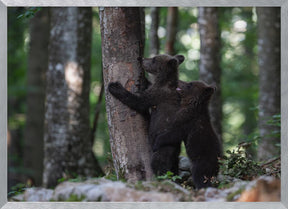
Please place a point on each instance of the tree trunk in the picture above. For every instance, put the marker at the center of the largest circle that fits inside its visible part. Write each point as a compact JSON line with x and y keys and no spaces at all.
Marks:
{"x":172,"y":21}
{"x":121,"y":35}
{"x":142,"y":21}
{"x":269,"y":72}
{"x":153,"y":36}
{"x":68,"y":148}
{"x":210,"y":71}
{"x":37,"y":67}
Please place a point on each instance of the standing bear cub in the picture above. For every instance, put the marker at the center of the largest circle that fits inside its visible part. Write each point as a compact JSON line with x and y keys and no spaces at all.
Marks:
{"x":192,"y":123}
{"x":161,"y":100}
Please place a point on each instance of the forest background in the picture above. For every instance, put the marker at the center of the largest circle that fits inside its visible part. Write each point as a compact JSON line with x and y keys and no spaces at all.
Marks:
{"x":240,"y":81}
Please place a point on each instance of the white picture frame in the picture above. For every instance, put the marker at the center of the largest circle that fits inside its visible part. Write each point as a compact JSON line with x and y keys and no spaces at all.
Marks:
{"x":4,"y":204}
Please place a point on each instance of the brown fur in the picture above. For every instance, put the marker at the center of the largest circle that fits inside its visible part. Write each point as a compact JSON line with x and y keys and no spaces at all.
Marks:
{"x":192,"y":124}
{"x":161,"y":100}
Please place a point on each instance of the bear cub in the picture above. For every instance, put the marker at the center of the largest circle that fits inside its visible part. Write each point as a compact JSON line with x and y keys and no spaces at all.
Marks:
{"x":160,"y":100}
{"x":192,"y":124}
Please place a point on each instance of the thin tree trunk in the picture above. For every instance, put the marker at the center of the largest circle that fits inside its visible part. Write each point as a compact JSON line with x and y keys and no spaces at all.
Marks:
{"x":269,"y":72}
{"x":121,"y":35}
{"x":37,"y":67}
{"x":142,"y":21}
{"x":153,"y":36}
{"x":172,"y":22}
{"x":97,"y":112}
{"x":210,"y":71}
{"x":68,"y":148}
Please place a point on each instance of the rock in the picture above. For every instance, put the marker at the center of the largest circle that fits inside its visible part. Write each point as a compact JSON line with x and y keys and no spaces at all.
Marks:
{"x":184,"y":163}
{"x":66,"y":190}
{"x":184,"y":175}
{"x":106,"y":191}
{"x":130,"y":195}
{"x":265,"y":189}
{"x":223,"y":195}
{"x":99,"y":193}
{"x":199,"y":199}
{"x":38,"y":195}
{"x":262,"y":189}
{"x":17,"y":198}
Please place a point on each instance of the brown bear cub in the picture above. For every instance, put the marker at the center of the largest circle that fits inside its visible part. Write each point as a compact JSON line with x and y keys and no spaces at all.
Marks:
{"x":161,"y":101}
{"x":192,"y":124}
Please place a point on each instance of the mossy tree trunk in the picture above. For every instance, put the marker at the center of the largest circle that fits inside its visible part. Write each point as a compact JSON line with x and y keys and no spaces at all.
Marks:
{"x":210,"y":71}
{"x":153,"y":36}
{"x":269,"y":77}
{"x":121,"y":45}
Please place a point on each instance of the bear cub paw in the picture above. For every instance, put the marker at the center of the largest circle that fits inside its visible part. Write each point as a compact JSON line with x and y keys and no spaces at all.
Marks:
{"x":115,"y":88}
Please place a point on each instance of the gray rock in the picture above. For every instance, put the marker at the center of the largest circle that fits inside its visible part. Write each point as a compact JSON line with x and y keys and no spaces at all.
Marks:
{"x":184,"y":175}
{"x":17,"y":198}
{"x":38,"y":195}
{"x":184,"y":163}
{"x":115,"y":194}
{"x":106,"y":191}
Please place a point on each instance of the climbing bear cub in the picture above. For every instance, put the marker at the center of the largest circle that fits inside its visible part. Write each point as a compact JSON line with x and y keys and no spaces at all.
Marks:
{"x":192,"y":123}
{"x":161,"y":100}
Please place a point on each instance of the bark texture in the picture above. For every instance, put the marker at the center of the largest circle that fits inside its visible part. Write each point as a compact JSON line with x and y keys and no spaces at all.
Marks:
{"x":142,"y":21}
{"x":37,"y":67}
{"x":121,"y":35}
{"x":171,"y":30}
{"x":269,"y":72}
{"x":153,"y":36}
{"x":210,"y":71}
{"x":68,"y":148}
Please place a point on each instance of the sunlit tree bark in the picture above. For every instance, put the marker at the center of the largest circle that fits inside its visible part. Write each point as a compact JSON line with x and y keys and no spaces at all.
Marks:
{"x":121,"y":38}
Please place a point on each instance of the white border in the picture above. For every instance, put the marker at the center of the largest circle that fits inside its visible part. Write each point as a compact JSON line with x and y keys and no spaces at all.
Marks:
{"x":144,"y":3}
{"x":180,"y":205}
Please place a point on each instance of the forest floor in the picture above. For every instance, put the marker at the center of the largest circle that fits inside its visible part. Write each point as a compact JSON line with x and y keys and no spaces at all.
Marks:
{"x":264,"y":188}
{"x":169,"y":188}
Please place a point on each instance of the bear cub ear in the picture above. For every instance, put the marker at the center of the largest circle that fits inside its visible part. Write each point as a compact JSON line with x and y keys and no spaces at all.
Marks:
{"x":210,"y":90}
{"x":180,"y":58}
{"x":173,"y":62}
{"x":176,"y":60}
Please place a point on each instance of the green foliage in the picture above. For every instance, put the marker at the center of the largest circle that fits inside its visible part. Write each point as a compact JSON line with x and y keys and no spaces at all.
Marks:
{"x":29,"y":13}
{"x":236,"y":163}
{"x":230,"y":197}
{"x":17,"y":189}
{"x":70,"y":179}
{"x":75,"y":198}
{"x":169,"y":176}
{"x":276,"y":122}
{"x":112,"y":177}
{"x":239,"y":81}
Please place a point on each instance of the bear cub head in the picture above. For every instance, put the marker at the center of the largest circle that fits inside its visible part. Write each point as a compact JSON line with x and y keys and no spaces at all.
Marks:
{"x":162,"y":68}
{"x":196,"y":94}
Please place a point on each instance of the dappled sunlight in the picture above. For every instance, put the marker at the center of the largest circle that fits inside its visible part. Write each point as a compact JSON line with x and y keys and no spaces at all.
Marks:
{"x":74,"y":77}
{"x":161,"y":32}
{"x":234,"y":118}
{"x":240,"y":26}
